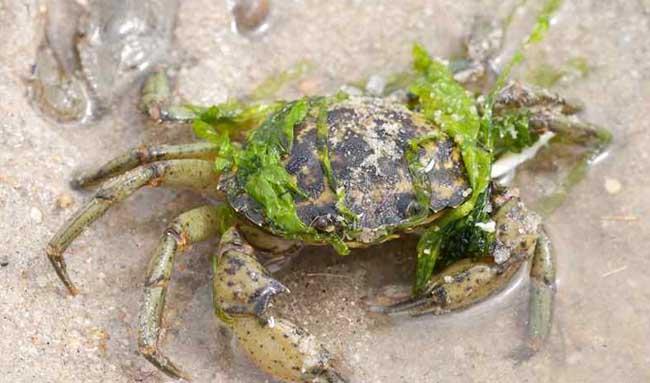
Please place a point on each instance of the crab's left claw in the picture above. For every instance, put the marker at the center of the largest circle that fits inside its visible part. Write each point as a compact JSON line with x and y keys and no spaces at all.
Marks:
{"x":460,"y":285}
{"x":243,"y":290}
{"x":519,"y":237}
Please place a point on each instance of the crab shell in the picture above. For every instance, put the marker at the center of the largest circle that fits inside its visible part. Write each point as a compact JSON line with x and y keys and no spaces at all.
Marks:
{"x":367,"y":141}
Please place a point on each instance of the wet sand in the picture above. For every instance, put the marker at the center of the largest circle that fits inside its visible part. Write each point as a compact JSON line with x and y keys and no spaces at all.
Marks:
{"x":601,"y":330}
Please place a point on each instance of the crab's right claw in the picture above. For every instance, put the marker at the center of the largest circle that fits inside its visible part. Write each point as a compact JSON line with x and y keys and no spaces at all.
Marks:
{"x":284,"y":350}
{"x":460,"y":285}
{"x":243,"y":290}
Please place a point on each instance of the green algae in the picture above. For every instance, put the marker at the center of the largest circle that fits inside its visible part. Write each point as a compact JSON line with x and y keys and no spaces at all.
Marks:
{"x":272,"y":85}
{"x":258,"y":165}
{"x":447,"y":104}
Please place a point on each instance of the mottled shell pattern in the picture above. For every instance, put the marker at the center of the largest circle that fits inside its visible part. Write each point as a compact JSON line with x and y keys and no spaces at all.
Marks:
{"x":367,"y":141}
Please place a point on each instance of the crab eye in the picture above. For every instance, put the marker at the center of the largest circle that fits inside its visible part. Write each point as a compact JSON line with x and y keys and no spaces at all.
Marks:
{"x":414,"y":208}
{"x":324,"y":223}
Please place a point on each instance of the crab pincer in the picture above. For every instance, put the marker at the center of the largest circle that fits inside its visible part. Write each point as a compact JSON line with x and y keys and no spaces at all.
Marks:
{"x":242,"y":293}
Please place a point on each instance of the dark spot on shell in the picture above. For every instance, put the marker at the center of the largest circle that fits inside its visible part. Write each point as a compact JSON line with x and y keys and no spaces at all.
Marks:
{"x":408,"y":205}
{"x":458,"y":278}
{"x":341,"y":114}
{"x":447,"y":177}
{"x":304,"y":163}
{"x":353,"y":149}
{"x":297,"y":161}
{"x":234,"y":264}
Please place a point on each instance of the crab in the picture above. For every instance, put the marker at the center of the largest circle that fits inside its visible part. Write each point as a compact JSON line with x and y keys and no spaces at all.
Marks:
{"x":349,"y":172}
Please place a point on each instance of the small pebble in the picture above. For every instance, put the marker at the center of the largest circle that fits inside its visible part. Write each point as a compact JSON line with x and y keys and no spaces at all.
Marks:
{"x":64,"y":201}
{"x":376,"y":85}
{"x":500,"y":254}
{"x":351,"y":90}
{"x":250,"y":14}
{"x":36,"y":215}
{"x":613,"y":186}
{"x":4,"y":261}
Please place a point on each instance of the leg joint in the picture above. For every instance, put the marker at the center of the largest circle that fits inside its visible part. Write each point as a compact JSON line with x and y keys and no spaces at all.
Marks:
{"x":146,"y":350}
{"x":143,"y":154}
{"x":53,"y":252}
{"x":179,"y":235}
{"x":106,"y":195}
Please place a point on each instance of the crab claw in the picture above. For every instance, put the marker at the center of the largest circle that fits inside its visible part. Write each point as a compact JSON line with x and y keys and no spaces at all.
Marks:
{"x":460,"y":285}
{"x":241,"y":284}
{"x":242,"y":292}
{"x":471,"y":280}
{"x":285,"y":350}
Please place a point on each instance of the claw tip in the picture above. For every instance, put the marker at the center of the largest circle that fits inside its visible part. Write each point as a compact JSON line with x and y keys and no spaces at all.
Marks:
{"x":74,"y":291}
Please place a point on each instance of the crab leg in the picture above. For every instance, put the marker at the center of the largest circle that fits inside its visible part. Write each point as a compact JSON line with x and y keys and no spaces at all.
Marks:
{"x":242,"y":293}
{"x":554,"y":114}
{"x":143,"y":155}
{"x":156,"y":100}
{"x":197,"y":174}
{"x":593,"y":139}
{"x":517,"y":95}
{"x":483,"y":43}
{"x":542,"y":292}
{"x":196,"y":225}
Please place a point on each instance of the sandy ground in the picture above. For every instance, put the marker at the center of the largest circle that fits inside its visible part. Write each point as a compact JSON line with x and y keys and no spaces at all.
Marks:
{"x":601,"y":330}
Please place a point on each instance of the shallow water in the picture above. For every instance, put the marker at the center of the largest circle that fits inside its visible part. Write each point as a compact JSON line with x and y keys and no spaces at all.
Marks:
{"x":601,"y":330}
